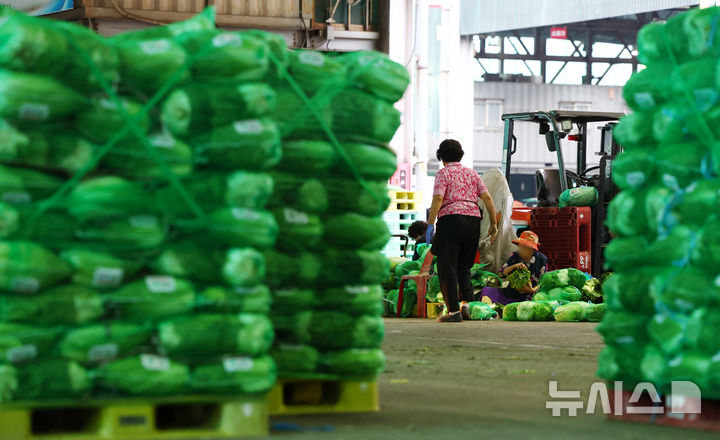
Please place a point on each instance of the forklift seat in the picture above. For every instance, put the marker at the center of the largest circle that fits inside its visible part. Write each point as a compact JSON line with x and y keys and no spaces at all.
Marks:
{"x":548,"y":187}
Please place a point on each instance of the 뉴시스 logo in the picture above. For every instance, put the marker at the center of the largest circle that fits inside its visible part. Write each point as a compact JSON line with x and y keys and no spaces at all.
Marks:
{"x":684,"y":398}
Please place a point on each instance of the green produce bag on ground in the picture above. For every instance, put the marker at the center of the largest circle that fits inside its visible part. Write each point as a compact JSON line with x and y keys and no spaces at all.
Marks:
{"x":353,"y":362}
{"x":510,"y":311}
{"x":295,"y":358}
{"x":21,"y":343}
{"x":36,"y":98}
{"x":235,"y":375}
{"x":371,"y":162}
{"x":51,"y":379}
{"x":337,"y":330}
{"x":285,"y":269}
{"x":201,"y":336}
{"x":153,"y":297}
{"x":99,"y":270}
{"x":563,"y":277}
{"x":299,"y":230}
{"x":354,"y":231}
{"x":481,"y":311}
{"x":534,"y":311}
{"x":222,"y":299}
{"x":355,"y":300}
{"x":571,"y":312}
{"x":595,"y":312}
{"x":143,"y":375}
{"x":251,"y":144}
{"x":26,"y":267}
{"x":408,"y":304}
{"x":68,"y":304}
{"x":103,"y":342}
{"x":302,"y":193}
{"x":293,"y":327}
{"x":347,"y":195}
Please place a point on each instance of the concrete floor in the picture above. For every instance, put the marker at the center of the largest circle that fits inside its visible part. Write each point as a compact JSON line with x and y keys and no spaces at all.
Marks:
{"x":478,"y":379}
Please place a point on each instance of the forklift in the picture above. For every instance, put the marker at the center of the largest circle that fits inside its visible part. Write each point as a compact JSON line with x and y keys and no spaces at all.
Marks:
{"x":556,"y":125}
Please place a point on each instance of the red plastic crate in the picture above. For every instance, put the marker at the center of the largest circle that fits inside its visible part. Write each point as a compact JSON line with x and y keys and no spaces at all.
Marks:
{"x":565,"y":236}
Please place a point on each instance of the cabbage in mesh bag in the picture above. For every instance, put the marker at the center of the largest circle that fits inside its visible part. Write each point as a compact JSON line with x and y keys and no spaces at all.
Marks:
{"x":567,"y":293}
{"x":358,"y":115}
{"x":147,"y":65}
{"x":29,"y":44}
{"x":291,"y":300}
{"x":103,"y":56}
{"x":109,"y":196}
{"x":623,"y":253}
{"x":634,"y":131}
{"x":153,"y":297}
{"x":701,"y":330}
{"x":103,"y":342}
{"x":696,"y":201}
{"x":299,"y":230}
{"x":354,"y":300}
{"x":621,"y":362}
{"x":295,"y":358}
{"x":622,"y":328}
{"x":686,"y":289}
{"x":36,"y":98}
{"x":647,"y":89}
{"x":231,"y":56}
{"x":200,"y":336}
{"x":285,"y":269}
{"x":479,"y":311}
{"x":99,"y":270}
{"x":337,"y":330}
{"x":307,"y":157}
{"x":347,"y":195}
{"x":293,"y":327}
{"x":69,"y":152}
{"x":235,"y":375}
{"x":132,"y":159}
{"x":633,"y":169}
{"x":355,"y":231}
{"x":21,"y":343}
{"x":204,"y":21}
{"x":571,"y":312}
{"x":51,"y":379}
{"x":195,"y":107}
{"x":314,"y":71}
{"x":252,"y":144}
{"x":217,"y":299}
{"x":510,"y":311}
{"x":20,"y":186}
{"x":239,"y":227}
{"x":563,"y":277}
{"x":303,"y":193}
{"x":296,"y":120}
{"x":357,"y":267}
{"x":103,"y":119}
{"x":580,"y":196}
{"x":534,"y":311}
{"x":353,"y":362}
{"x":134,"y":235}
{"x":679,"y":165}
{"x":629,"y":290}
{"x":668,"y":331}
{"x":371,"y":162}
{"x":143,"y":375}
{"x":8,"y":380}
{"x":54,"y":227}
{"x":377,"y":74}
{"x":27,"y":267}
{"x":68,"y":304}
{"x":595,"y":312}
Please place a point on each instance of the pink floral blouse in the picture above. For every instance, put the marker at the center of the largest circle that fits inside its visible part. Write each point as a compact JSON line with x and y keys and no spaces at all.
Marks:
{"x":461,"y":188}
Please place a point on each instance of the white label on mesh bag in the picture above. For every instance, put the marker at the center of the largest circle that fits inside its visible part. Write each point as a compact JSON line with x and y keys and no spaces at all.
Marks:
{"x":155,"y":47}
{"x":144,"y":221}
{"x":22,"y":353}
{"x":102,"y":352}
{"x":226,"y":39}
{"x":154,"y":362}
{"x":108,"y":276}
{"x":16,"y":197}
{"x":235,"y":364}
{"x":34,"y":111}
{"x":24,"y":284}
{"x":644,"y":100}
{"x":312,"y":58}
{"x":357,"y":290}
{"x":161,"y":284}
{"x":295,"y":217}
{"x":245,"y":214}
{"x":252,"y":126}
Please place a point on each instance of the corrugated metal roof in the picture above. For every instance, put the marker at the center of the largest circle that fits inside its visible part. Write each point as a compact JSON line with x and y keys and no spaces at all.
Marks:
{"x":488,"y":16}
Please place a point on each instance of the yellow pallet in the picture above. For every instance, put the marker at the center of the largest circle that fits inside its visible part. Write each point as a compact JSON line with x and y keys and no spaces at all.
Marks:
{"x":312,"y":396}
{"x":404,"y":206}
{"x":405,"y":196}
{"x":191,"y":417}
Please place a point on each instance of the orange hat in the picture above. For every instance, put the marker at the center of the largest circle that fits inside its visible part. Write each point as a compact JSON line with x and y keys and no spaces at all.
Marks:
{"x":529,"y":239}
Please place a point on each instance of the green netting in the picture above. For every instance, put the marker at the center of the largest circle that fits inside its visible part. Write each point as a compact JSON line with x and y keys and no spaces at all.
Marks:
{"x":244,"y":267}
{"x":203,"y":21}
{"x":206,"y":335}
{"x":668,"y":331}
{"x":622,"y":328}
{"x":151,"y":298}
{"x":356,"y":267}
{"x":701,"y":331}
{"x":103,"y":342}
{"x":284,"y":269}
{"x":66,"y":153}
{"x":21,"y":343}
{"x":377,"y":75}
{"x":378,"y":121}
{"x":347,"y":195}
{"x":143,"y":375}
{"x":696,"y":201}
{"x":67,"y":304}
{"x":51,"y":379}
{"x":371,"y":162}
{"x":53,"y":228}
{"x":135,"y":235}
{"x":293,"y":300}
{"x":102,"y":119}
{"x":220,"y":299}
{"x":293,"y":327}
{"x":481,"y":311}
{"x":130,"y":159}
{"x":354,"y":300}
{"x":563,"y":277}
{"x":27,"y":267}
{"x":230,"y":56}
{"x":235,"y":375}
{"x":679,"y":165}
{"x":647,"y":89}
{"x":36,"y":98}
{"x":629,"y":290}
{"x":299,"y":192}
{"x":99,"y":270}
{"x":686,"y":289}
{"x":354,"y":362}
{"x":299,"y":230}
{"x":355,"y":231}
{"x":307,"y":157}
{"x":295,"y":358}
{"x":332,"y":330}
{"x":27,"y":45}
{"x":296,"y":123}
{"x":237,"y":227}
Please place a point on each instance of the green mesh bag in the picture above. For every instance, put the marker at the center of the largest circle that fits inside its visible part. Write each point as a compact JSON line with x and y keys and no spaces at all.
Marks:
{"x":56,"y":379}
{"x":103,"y":197}
{"x":566,"y":293}
{"x":68,"y":304}
{"x":355,"y":231}
{"x":595,"y":312}
{"x":29,"y":44}
{"x":292,"y":300}
{"x":629,"y":290}
{"x":699,"y":31}
{"x":337,"y":330}
{"x":298,"y":230}
{"x":626,"y":213}
{"x":690,"y":366}
{"x":221,"y":299}
{"x":314,"y":71}
{"x":679,"y":165}
{"x":302,"y":193}
{"x":296,"y":120}
{"x":53,"y":228}
{"x":372,"y":162}
{"x":20,"y":186}
{"x":653,"y":365}
{"x":356,"y":267}
{"x":695,"y":82}
{"x":200,"y":336}
{"x":293,"y":327}
{"x":622,"y":328}
{"x":561,"y":278}
{"x":647,"y":89}
{"x":213,"y":190}
{"x":68,"y":154}
{"x":99,"y":270}
{"x":405,"y":268}
{"x":700,"y":331}
{"x":132,"y":159}
{"x":376,"y":74}
{"x":652,"y":44}
{"x":354,"y":300}
{"x":534,"y":311}
{"x":672,"y":248}
{"x":633,"y":169}
{"x":103,"y":119}
{"x":252,"y":144}
{"x":243,"y":267}
{"x":8,"y":380}
{"x":151,"y":298}
{"x":132,"y":236}
{"x":347,"y":195}
{"x":685,"y":290}
{"x":147,"y":65}
{"x":27,"y":267}
{"x":79,"y":74}
{"x":696,"y":201}
{"x":230,"y":56}
{"x":370,"y":119}
{"x":238,"y":227}
{"x":275,"y":44}
{"x":36,"y":98}
{"x":571,"y":312}
{"x":621,"y":362}
{"x":668,"y":331}
{"x":103,"y":342}
{"x":204,"y":21}
{"x":197,"y":106}
{"x":510,"y":311}
{"x":672,"y":123}
{"x":354,"y":362}
{"x":295,"y":358}
{"x":143,"y":375}
{"x":284,"y":269}
{"x":635,"y":131}
{"x":21,"y":343}
{"x":407,"y":308}
{"x":307,"y":157}
{"x":623,"y":253}
{"x":706,"y":252}
{"x":235,"y":375}
{"x":479,"y":311}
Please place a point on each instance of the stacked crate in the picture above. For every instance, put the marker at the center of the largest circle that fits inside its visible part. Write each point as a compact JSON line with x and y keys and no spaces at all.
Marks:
{"x":405,"y":208}
{"x":565,"y":236}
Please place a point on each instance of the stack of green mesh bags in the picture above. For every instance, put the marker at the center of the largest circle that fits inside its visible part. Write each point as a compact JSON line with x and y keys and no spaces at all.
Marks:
{"x":336,"y":117}
{"x":133,"y":186}
{"x":664,"y":316}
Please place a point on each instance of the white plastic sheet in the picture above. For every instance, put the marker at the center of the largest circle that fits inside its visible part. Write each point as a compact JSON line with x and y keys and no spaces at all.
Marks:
{"x":496,"y":252}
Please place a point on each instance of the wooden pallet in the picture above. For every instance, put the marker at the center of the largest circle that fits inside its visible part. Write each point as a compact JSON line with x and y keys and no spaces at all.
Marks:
{"x":314,"y":396}
{"x":189,"y":417}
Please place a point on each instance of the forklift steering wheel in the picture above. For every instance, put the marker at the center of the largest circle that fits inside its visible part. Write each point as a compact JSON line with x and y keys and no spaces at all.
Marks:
{"x":593,"y":168}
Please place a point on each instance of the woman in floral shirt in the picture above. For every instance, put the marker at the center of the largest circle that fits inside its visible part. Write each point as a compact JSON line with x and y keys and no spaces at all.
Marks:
{"x":455,"y":207}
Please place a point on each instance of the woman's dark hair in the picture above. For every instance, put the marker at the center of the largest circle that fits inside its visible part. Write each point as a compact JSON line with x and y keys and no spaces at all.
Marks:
{"x":417,"y":229}
{"x":450,"y":150}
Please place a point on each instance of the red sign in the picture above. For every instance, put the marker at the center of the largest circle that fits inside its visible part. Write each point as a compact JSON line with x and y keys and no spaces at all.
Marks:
{"x":558,"y":32}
